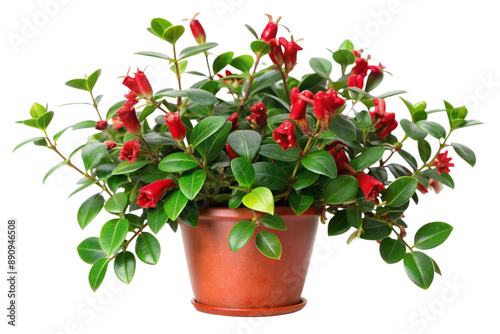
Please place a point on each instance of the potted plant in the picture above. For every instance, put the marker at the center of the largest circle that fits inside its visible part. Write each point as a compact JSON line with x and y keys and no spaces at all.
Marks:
{"x":247,"y":163}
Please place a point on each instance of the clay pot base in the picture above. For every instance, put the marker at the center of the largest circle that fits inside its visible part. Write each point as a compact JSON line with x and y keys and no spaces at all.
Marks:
{"x":249,"y":312}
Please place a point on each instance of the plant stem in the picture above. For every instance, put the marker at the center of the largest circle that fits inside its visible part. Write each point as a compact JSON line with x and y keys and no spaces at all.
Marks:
{"x":284,"y":77}
{"x":382,"y":163}
{"x":95,"y":106}
{"x":400,"y":238}
{"x":126,"y":243}
{"x":178,"y":75}
{"x":208,"y":66}
{"x":441,"y":146}
{"x":244,"y":100}
{"x":202,"y":166}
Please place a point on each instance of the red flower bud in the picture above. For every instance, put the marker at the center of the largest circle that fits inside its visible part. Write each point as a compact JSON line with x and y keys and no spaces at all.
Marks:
{"x":117,"y":123}
{"x":284,"y":135}
{"x":230,"y":152}
{"x":234,"y":121}
{"x":336,"y":149}
{"x":442,"y":163}
{"x":197,"y":30}
{"x":270,"y":30}
{"x":422,"y":189}
{"x":129,"y":118}
{"x":150,"y":195}
{"x":102,"y":125}
{"x":383,"y":121}
{"x":110,"y":144}
{"x":358,"y":72}
{"x":129,"y":151}
{"x":376,"y":69}
{"x":370,"y":186}
{"x":298,"y":110}
{"x":235,"y":82}
{"x":291,"y":49}
{"x":325,"y":105}
{"x":276,"y":54}
{"x":139,"y":84}
{"x":258,"y":116}
{"x":174,"y":123}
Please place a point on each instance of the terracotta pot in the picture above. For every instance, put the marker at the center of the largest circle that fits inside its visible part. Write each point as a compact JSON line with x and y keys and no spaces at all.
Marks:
{"x":246,"y":283}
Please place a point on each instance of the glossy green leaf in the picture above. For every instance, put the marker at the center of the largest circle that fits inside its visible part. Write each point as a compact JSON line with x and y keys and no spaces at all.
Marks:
{"x":432,"y":235}
{"x":175,"y":203}
{"x":159,"y":25}
{"x":412,"y":130}
{"x":374,"y":80}
{"x":240,"y":234}
{"x":344,"y":57}
{"x":260,"y":199}
{"x":177,"y":162}
{"x":400,"y":191}
{"x":211,"y":147}
{"x":274,"y":151}
{"x":125,"y":266}
{"x":44,"y":120}
{"x":392,"y":251}
{"x":97,"y":273}
{"x":235,"y":199}
{"x":375,"y":229}
{"x":245,"y":142}
{"x":194,"y":50}
{"x":92,"y":79}
{"x":201,"y":97}
{"x":341,"y":189}
{"x":153,"y":54}
{"x":259,"y":47}
{"x":321,"y":66}
{"x":269,"y":244}
{"x":300,"y":202}
{"x":252,"y":31}
{"x":113,"y":234}
{"x":222,"y":61}
{"x":419,"y":269}
{"x":147,"y":248}
{"x":190,"y":214}
{"x":173,"y":33}
{"x":129,"y":167}
{"x":304,"y":179}
{"x":320,"y":162}
{"x":243,"y":172}
{"x":90,"y":209}
{"x":465,"y":153}
{"x":205,"y":128}
{"x":273,"y":221}
{"x":92,"y":153}
{"x":424,"y":150}
{"x":391,"y":93}
{"x":338,"y":224}
{"x":27,"y":141}
{"x":434,"y":129}
{"x":53,"y":169}
{"x":444,"y":177}
{"x":37,"y":110}
{"x":355,"y":216}
{"x":90,"y":250}
{"x":116,"y":203}
{"x":190,"y":183}
{"x":270,"y":176}
{"x":243,"y":63}
{"x":157,"y":218}
{"x":366,"y":159}
{"x":343,"y":128}
{"x":78,"y":84}
{"x":410,"y":159}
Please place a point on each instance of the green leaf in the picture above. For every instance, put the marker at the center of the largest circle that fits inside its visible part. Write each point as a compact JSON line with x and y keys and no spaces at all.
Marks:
{"x":392,"y":251}
{"x":424,"y":150}
{"x":268,"y":244}
{"x":260,"y":48}
{"x":270,"y":176}
{"x":194,"y":50}
{"x":374,"y":80}
{"x":252,"y":31}
{"x":53,"y":169}
{"x":369,"y":157}
{"x":27,"y":141}
{"x":344,"y":57}
{"x":159,"y":25}
{"x":116,"y":203}
{"x":400,"y":191}
{"x":265,"y":80}
{"x":113,"y":235}
{"x":211,"y":148}
{"x":338,"y":224}
{"x":320,"y":162}
{"x":97,"y":273}
{"x":129,"y":167}
{"x":375,"y":229}
{"x":87,"y":184}
{"x":347,"y":45}
{"x":432,"y":235}
{"x":190,"y":214}
{"x":245,"y":142}
{"x":90,"y":250}
{"x":273,"y":221}
{"x":235,"y":199}
{"x":412,"y":130}
{"x":78,"y":84}
{"x":90,"y":209}
{"x":92,"y":79}
{"x":177,"y":162}
{"x":304,"y":179}
{"x":205,"y":128}
{"x":240,"y":234}
{"x":391,"y":93}
{"x":354,"y":216}
{"x":465,"y":153}
{"x":274,"y":151}
{"x":153,"y":54}
{"x":201,"y":97}
{"x":113,"y":109}
{"x":243,"y":172}
{"x":419,"y":269}
{"x":30,"y":122}
{"x":340,"y":190}
{"x":243,"y":63}
{"x":321,"y":66}
{"x":37,"y":110}
{"x":147,"y":248}
{"x":174,"y":204}
{"x":260,"y":199}
{"x":173,"y":33}
{"x":434,"y":129}
{"x":408,"y":158}
{"x":44,"y":120}
{"x":191,"y":183}
{"x":157,"y":218}
{"x":300,"y":202}
{"x":92,"y":153}
{"x":125,"y":266}
{"x":222,"y":61}
{"x":343,"y":128}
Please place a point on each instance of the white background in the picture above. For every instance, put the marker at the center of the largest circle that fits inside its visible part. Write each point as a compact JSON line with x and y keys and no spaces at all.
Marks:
{"x":435,"y":49}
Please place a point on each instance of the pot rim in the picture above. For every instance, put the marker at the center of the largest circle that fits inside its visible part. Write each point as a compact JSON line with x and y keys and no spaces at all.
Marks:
{"x":242,"y":213}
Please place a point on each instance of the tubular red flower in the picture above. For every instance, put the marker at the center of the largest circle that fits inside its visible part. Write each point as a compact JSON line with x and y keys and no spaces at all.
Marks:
{"x":298,"y":110}
{"x":110,"y":144}
{"x":131,"y":99}
{"x":150,"y":195}
{"x":117,"y":123}
{"x":376,"y":69}
{"x":325,"y":105}
{"x":197,"y":30}
{"x":270,"y":30}
{"x":336,"y":149}
{"x":358,"y":72}
{"x":383,"y":121}
{"x":258,"y":116}
{"x":276,"y":54}
{"x":101,"y":125}
{"x":291,"y":49}
{"x":129,"y":118}
{"x":174,"y":123}
{"x":370,"y":186}
{"x":139,"y":84}
{"x":285,"y":136}
{"x":230,"y":152}
{"x":129,"y":151}
{"x":422,"y":189}
{"x":234,"y":121}
{"x":442,"y":163}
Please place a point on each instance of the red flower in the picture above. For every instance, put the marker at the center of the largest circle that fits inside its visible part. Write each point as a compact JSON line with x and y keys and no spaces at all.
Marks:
{"x":270,"y":30}
{"x":291,"y":49}
{"x":129,"y":118}
{"x":435,"y":185}
{"x":131,"y":99}
{"x":110,"y":144}
{"x":174,"y":123}
{"x":139,"y":84}
{"x":359,"y":72}
{"x":117,"y":123}
{"x":276,"y":54}
{"x":422,"y":189}
{"x":383,"y":121}
{"x":442,"y":163}
{"x":233,"y":119}
{"x":230,"y":152}
{"x":336,"y":149}
{"x":258,"y":116}
{"x":376,"y":69}
{"x":129,"y":151}
{"x":284,"y":135}
{"x":152,"y":193}
{"x":370,"y":186}
{"x":325,"y":105}
{"x":197,"y":30}
{"x":102,"y":125}
{"x":298,"y":110}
